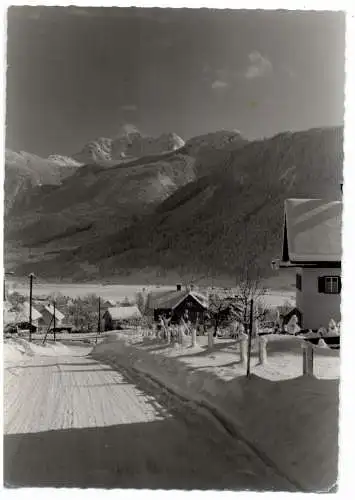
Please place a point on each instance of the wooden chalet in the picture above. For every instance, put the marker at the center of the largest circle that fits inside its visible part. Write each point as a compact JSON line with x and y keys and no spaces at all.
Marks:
{"x":176,"y":304}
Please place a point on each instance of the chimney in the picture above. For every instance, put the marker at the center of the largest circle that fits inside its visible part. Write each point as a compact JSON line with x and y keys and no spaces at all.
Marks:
{"x":191,"y":287}
{"x":178,"y":287}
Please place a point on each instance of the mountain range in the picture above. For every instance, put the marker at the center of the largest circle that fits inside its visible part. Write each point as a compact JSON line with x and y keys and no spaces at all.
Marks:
{"x":136,"y":208}
{"x":129,"y":143}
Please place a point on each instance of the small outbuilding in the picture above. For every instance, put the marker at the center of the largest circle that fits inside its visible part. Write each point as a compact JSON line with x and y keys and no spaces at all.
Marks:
{"x":22,"y":317}
{"x":116,"y":318}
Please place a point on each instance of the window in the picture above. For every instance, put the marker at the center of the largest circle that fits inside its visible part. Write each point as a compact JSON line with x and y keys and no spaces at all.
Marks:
{"x":299,"y":281}
{"x":329,"y":284}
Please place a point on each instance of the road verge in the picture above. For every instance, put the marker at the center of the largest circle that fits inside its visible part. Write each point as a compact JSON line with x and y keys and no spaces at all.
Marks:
{"x":292,"y":425}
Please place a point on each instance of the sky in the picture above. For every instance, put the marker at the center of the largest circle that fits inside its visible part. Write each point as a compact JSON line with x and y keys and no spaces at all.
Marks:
{"x":76,"y":74}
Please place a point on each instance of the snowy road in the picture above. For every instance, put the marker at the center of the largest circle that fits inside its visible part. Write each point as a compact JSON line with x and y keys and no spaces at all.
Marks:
{"x":71,"y":421}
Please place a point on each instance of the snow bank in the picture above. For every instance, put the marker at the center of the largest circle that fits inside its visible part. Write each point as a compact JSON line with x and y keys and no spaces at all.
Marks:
{"x":13,"y":353}
{"x":55,"y":349}
{"x":15,"y":350}
{"x":292,"y":422}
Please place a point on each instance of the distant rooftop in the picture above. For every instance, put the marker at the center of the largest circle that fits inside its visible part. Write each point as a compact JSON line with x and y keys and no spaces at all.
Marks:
{"x":124,"y":312}
{"x":171,"y":299}
{"x":50,"y":308}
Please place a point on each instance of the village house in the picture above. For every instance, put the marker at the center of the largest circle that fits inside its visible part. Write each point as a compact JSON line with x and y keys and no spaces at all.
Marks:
{"x":312,"y":245}
{"x":176,"y":304}
{"x":9,"y":313}
{"x":22,"y":317}
{"x":47,"y":312}
{"x":107,"y":303}
{"x":116,"y":318}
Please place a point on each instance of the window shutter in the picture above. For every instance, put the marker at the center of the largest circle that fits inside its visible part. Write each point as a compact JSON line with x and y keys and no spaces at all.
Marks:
{"x":321,"y":284}
{"x":339,"y":284}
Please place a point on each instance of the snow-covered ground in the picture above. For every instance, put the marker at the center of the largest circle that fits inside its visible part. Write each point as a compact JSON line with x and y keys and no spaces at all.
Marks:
{"x":21,"y":349}
{"x":272,"y":298}
{"x":73,"y":421}
{"x":290,"y":418}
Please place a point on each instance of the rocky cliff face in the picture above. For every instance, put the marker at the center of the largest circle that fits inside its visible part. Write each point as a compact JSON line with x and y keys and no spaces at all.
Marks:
{"x":130,"y":143}
{"x":24,"y":171}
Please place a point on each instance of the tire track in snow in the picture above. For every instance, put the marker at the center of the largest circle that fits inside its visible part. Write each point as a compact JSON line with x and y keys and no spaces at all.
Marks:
{"x":72,"y":421}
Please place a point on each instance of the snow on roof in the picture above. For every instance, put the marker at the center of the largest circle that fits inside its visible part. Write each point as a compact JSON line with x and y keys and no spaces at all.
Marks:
{"x":24,"y":313}
{"x":111,"y":302}
{"x":312,"y":231}
{"x":124,"y":312}
{"x":171,"y":299}
{"x":50,"y":308}
{"x":9,"y":316}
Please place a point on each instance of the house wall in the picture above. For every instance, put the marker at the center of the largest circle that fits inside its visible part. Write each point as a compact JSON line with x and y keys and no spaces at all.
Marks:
{"x":317,"y":308}
{"x":35,"y":322}
{"x":107,"y":320}
{"x":46,"y":319}
{"x":194,"y":310}
{"x":113,"y":324}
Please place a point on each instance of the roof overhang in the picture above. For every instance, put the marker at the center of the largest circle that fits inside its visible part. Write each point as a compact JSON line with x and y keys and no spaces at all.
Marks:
{"x":172,"y":307}
{"x":310,"y":229}
{"x":314,"y":264}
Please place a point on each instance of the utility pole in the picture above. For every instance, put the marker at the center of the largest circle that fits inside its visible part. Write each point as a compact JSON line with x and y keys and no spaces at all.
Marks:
{"x":54,"y":325}
{"x":31,"y":276}
{"x":7,"y":273}
{"x":99,"y":321}
{"x":250,"y":335}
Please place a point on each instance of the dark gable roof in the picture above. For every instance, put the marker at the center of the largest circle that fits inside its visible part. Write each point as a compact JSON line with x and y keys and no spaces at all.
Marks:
{"x":171,"y":299}
{"x":312,"y":231}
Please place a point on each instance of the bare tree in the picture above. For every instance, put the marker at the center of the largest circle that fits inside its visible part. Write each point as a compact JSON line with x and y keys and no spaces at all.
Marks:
{"x":126,"y":302}
{"x":16,"y":300}
{"x":223,"y":308}
{"x":82,"y":312}
{"x":141,"y":301}
{"x":249,"y":284}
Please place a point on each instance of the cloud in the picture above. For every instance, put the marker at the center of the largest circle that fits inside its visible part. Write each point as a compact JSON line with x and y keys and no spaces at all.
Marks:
{"x":219,"y":84}
{"x":129,"y":107}
{"x":37,"y":13}
{"x":34,"y":15}
{"x":82,"y":12}
{"x":260,"y":66}
{"x":289,"y":72}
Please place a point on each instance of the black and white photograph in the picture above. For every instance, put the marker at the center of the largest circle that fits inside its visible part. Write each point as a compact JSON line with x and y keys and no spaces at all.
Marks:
{"x":172,"y":248}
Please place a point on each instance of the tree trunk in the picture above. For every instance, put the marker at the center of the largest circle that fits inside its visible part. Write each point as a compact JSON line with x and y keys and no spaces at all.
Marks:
{"x":262,"y":351}
{"x":181,"y":334}
{"x":210,"y":339}
{"x":215,"y":327}
{"x":193,"y":337}
{"x":244,"y":350}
